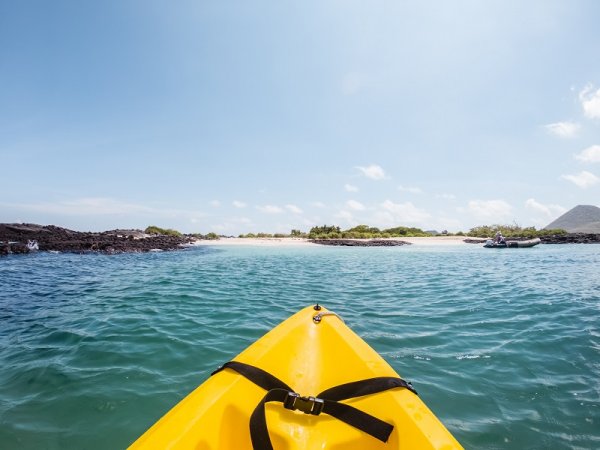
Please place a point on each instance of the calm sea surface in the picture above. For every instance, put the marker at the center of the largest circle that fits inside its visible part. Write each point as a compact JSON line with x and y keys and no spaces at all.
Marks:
{"x":503,"y":345}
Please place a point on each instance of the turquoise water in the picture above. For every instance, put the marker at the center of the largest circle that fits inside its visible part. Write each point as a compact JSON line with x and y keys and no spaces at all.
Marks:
{"x":503,"y":345}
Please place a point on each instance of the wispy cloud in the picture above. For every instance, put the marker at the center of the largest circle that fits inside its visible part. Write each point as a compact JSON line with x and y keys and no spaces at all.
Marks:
{"x":489,"y":209}
{"x":95,"y":206}
{"x":583,"y":179}
{"x":231,"y":225}
{"x":446,"y":196}
{"x":318,"y":204}
{"x":100,"y":206}
{"x":350,"y":188}
{"x":356,"y":206}
{"x":590,"y":154}
{"x":239,"y":204}
{"x":270,"y":209}
{"x":215,"y":203}
{"x":404,"y":213}
{"x":346,"y":216}
{"x":410,"y":189}
{"x":549,"y":210}
{"x":294,"y":209}
{"x":563,"y":129}
{"x":373,"y":172}
{"x":590,"y":101}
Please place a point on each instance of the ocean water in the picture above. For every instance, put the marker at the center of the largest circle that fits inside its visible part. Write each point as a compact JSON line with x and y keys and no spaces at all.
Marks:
{"x":503,"y":345}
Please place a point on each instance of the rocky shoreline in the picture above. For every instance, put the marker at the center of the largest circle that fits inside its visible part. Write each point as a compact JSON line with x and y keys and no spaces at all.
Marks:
{"x":569,"y":238}
{"x":14,"y":238}
{"x":25,"y":238}
{"x":572,"y":238}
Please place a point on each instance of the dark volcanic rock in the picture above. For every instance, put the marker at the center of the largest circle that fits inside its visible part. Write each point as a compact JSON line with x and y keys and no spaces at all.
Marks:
{"x":569,"y":238}
{"x":572,"y":238}
{"x":14,"y":238}
{"x":360,"y":243}
{"x":474,"y":240}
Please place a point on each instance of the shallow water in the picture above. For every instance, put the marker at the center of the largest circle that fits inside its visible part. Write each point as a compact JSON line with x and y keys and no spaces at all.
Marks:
{"x":503,"y":345}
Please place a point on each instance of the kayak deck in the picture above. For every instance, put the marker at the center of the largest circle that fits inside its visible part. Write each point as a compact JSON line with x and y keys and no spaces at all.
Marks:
{"x":310,"y":357}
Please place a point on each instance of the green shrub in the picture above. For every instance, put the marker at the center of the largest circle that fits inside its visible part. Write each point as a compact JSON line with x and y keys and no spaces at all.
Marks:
{"x":153,"y":229}
{"x":511,"y":231}
{"x":363,"y":232}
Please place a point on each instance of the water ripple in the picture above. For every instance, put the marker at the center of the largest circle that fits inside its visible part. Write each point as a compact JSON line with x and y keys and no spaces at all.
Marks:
{"x":503,"y":346}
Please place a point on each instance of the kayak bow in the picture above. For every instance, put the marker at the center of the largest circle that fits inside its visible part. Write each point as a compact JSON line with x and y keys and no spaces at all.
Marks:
{"x":309,"y":383}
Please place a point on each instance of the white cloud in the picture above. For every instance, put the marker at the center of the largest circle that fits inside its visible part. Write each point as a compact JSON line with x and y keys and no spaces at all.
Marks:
{"x":239,"y":204}
{"x":270,"y":209}
{"x":102,"y":206}
{"x":489,"y":209}
{"x":583,"y":179}
{"x":215,"y":203}
{"x":373,"y":171}
{"x":294,"y":209}
{"x":404,"y":213}
{"x":446,"y":196}
{"x":549,"y":210}
{"x":95,"y":206}
{"x":563,"y":129}
{"x":234,"y":225}
{"x":412,"y":190}
{"x":346,"y":216}
{"x":350,"y":188}
{"x":590,"y":101}
{"x":590,"y":154}
{"x":318,"y":204}
{"x":356,"y":206}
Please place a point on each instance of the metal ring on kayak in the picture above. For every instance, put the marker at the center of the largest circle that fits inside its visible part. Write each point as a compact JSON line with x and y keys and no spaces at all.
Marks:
{"x":318,"y":317}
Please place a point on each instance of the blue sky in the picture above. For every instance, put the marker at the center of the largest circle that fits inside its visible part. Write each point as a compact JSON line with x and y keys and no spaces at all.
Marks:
{"x":247,"y":116}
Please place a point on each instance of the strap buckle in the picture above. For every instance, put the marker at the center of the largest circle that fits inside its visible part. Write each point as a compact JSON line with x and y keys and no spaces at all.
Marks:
{"x":308,"y":405}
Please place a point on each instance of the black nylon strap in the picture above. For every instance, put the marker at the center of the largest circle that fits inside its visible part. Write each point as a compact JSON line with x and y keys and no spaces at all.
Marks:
{"x":356,"y":418}
{"x":359,"y":419}
{"x":259,"y":433}
{"x":279,"y":391}
{"x":258,"y":376}
{"x":364,"y":387}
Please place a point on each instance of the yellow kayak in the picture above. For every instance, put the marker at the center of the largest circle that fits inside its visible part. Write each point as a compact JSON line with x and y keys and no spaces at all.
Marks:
{"x":309,"y":383}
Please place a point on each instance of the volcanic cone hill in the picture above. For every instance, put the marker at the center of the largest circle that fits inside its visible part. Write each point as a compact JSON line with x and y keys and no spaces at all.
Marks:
{"x":581,"y":219}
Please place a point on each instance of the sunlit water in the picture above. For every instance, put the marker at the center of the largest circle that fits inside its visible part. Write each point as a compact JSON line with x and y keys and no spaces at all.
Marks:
{"x":503,"y":345}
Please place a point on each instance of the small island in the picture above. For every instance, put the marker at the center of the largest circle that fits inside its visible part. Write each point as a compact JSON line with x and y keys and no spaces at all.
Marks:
{"x":580,"y":225}
{"x":24,"y":238}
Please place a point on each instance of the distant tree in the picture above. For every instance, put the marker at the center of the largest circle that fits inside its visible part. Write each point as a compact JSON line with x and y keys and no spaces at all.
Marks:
{"x":363,"y":232}
{"x":406,"y":232}
{"x":364,"y":229}
{"x":323,"y":232}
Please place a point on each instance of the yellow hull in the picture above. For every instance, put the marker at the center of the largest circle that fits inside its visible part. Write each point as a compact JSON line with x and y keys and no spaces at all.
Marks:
{"x":310,"y":357}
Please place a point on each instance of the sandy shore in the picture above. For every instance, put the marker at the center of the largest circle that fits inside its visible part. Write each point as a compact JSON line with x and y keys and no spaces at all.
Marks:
{"x":298,"y":242}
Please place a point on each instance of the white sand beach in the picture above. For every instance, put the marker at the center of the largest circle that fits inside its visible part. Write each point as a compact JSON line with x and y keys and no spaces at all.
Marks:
{"x":299,"y":242}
